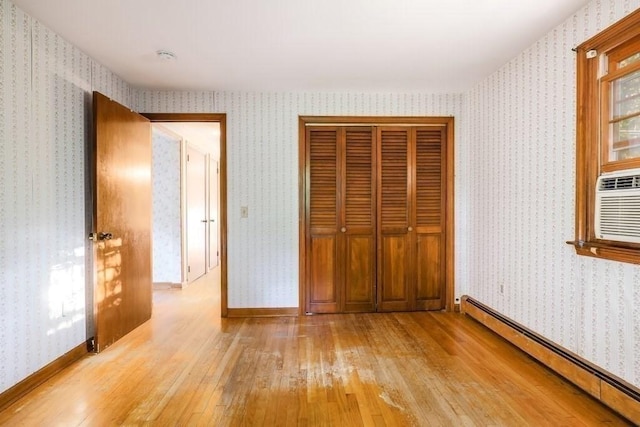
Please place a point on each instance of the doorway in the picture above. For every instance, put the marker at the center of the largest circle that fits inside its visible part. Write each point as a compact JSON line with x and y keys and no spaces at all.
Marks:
{"x":213,"y":221}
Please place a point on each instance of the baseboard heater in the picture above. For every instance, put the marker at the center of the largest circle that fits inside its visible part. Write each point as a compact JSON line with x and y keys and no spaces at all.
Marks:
{"x":614,"y":392}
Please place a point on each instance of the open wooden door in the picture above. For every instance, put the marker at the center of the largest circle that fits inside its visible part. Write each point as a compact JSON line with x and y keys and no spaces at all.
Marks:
{"x":122,"y":220}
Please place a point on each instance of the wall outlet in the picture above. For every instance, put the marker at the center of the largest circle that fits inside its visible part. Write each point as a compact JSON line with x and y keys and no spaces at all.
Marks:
{"x":244,"y":212}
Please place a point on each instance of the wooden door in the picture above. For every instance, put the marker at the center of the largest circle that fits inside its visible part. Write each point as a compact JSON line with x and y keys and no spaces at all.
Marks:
{"x":411,"y":208}
{"x":358,"y":220}
{"x":323,"y":168}
{"x":196,"y":214}
{"x":340,"y":218}
{"x":396,"y":250}
{"x":429,"y":218}
{"x":214,"y":184}
{"x":122,"y":219}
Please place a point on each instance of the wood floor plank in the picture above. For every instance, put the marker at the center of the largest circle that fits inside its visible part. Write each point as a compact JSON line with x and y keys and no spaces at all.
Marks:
{"x":187,"y":366}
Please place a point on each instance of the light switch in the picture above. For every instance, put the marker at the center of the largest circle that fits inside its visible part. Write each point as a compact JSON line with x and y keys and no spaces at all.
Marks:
{"x":244,"y":212}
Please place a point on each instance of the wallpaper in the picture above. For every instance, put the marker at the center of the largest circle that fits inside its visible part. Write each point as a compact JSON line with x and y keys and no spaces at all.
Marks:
{"x":167,"y":236}
{"x":154,"y":101}
{"x":521,"y":130}
{"x":262,"y":162}
{"x":45,"y":93}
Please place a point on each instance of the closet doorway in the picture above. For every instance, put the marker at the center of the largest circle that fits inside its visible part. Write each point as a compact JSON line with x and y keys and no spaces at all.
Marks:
{"x":376,"y":226}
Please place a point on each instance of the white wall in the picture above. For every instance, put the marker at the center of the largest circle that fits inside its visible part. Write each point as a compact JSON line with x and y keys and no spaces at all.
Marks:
{"x":521,"y":204}
{"x":262,"y":155}
{"x":167,"y":221}
{"x":45,"y":99}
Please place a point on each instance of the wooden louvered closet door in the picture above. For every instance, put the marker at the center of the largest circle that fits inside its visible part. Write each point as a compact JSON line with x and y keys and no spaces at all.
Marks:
{"x":429,"y":223}
{"x":395,"y":292}
{"x":341,"y":228}
{"x":410,"y":208}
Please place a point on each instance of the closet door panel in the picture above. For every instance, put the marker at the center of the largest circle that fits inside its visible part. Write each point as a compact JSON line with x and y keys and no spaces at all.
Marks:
{"x":359,"y":222}
{"x":429,"y":223}
{"x":322,"y":220}
{"x":394,"y":208}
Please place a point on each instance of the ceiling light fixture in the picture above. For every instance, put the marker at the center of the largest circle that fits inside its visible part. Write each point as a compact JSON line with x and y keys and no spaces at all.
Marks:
{"x":166,"y":55}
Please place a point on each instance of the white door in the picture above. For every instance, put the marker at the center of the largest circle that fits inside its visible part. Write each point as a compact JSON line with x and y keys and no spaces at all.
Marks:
{"x":197,"y":220}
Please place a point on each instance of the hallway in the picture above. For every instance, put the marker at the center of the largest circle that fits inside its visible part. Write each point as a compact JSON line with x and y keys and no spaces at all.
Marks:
{"x":187,"y":366}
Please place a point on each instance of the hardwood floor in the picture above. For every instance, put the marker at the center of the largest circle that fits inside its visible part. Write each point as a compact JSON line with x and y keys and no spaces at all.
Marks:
{"x":186,"y":366}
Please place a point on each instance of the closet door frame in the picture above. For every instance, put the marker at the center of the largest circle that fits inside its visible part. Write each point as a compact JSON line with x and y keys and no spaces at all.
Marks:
{"x":448,"y":122}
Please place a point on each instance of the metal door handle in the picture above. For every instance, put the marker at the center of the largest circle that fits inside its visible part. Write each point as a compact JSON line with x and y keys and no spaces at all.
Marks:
{"x":343,"y":229}
{"x":212,"y":220}
{"x":105,"y":236}
{"x":204,"y":220}
{"x":410,"y":229}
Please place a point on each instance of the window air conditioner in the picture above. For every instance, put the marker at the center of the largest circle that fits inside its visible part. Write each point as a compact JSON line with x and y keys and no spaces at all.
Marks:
{"x":618,"y":206}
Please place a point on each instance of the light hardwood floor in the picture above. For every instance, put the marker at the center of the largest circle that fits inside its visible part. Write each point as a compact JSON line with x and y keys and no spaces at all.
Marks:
{"x":186,"y":366}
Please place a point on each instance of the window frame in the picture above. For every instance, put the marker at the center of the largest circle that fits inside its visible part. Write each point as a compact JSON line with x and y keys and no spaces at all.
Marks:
{"x":589,"y":143}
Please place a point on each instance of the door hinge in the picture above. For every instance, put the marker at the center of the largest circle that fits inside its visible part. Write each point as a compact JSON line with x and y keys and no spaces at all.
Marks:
{"x":188,"y":269}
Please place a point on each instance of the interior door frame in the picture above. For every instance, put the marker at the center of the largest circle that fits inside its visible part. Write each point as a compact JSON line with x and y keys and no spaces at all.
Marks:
{"x":303,"y":197}
{"x":220,"y":118}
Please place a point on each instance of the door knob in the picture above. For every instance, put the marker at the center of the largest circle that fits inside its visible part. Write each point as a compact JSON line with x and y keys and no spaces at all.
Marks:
{"x":410,"y":229}
{"x":105,"y":236}
{"x":343,"y":229}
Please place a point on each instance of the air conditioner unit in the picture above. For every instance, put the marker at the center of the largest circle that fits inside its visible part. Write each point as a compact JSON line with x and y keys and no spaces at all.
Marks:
{"x":618,"y":206}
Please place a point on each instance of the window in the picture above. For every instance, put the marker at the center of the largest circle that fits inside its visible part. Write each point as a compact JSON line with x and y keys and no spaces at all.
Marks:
{"x":608,"y":127}
{"x":620,"y":101}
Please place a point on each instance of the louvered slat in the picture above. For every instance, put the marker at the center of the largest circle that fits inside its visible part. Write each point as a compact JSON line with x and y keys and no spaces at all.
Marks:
{"x":359,"y":186}
{"x":393,"y":190}
{"x":323,"y":171}
{"x":428,"y":177}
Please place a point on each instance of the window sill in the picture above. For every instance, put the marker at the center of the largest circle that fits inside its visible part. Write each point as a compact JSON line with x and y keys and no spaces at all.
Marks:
{"x":607,"y":251}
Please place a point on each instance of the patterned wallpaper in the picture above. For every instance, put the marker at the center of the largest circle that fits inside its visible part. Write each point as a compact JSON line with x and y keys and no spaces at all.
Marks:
{"x":167,"y":235}
{"x":45,"y":93}
{"x":521,"y":133}
{"x":262,"y":162}
{"x":154,"y":101}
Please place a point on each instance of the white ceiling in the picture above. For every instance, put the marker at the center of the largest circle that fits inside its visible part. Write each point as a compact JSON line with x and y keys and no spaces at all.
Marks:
{"x":315,"y":45}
